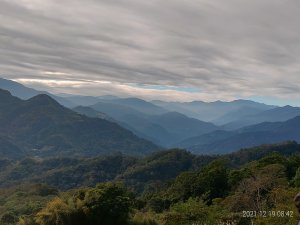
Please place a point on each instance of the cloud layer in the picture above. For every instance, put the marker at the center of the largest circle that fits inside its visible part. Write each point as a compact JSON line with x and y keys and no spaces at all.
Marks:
{"x":154,"y":49}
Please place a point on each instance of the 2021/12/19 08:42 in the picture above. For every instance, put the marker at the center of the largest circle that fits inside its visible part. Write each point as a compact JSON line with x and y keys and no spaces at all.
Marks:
{"x":279,"y":213}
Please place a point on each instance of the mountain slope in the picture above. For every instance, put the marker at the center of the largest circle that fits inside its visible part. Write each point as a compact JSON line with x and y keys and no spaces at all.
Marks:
{"x":164,"y":129}
{"x":228,"y":141}
{"x":135,"y":121}
{"x":25,"y":93}
{"x":137,"y":173}
{"x":82,"y":100}
{"x":205,"y":139}
{"x":90,"y":112}
{"x":273,"y":115}
{"x":18,"y":89}
{"x":42,"y":127}
{"x":115,"y":110}
{"x":9,"y":150}
{"x":182,"y":126}
{"x":218,"y":112}
{"x":145,"y":128}
{"x":139,"y":105}
{"x":235,"y":115}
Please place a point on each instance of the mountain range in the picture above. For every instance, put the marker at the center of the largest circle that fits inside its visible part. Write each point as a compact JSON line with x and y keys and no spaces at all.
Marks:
{"x":40,"y":126}
{"x":161,"y":127}
{"x":218,"y":112}
{"x":23,"y":92}
{"x":220,"y":142}
{"x":278,"y":114}
{"x":39,"y":123}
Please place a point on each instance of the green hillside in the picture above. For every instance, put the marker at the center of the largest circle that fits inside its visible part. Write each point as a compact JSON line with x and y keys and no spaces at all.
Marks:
{"x":42,"y":127}
{"x":166,"y":188}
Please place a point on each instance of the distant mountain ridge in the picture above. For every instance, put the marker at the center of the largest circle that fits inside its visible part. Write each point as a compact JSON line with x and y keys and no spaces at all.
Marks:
{"x":202,"y":127}
{"x":162,"y":127}
{"x":216,"y":112}
{"x":228,"y":141}
{"x":139,"y":105}
{"x":23,"y":92}
{"x":90,"y":112}
{"x":278,"y":114}
{"x":83,"y":100}
{"x":42,"y":127}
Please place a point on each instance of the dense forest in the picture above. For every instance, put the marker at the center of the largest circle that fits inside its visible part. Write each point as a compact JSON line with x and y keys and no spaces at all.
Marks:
{"x":254,"y":185}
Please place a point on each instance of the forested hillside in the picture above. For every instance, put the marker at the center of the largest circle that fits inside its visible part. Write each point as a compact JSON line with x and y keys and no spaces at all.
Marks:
{"x":168,"y":188}
{"x":42,"y":127}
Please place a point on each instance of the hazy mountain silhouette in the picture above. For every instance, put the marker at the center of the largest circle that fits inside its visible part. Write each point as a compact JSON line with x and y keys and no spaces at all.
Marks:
{"x":139,"y":105}
{"x":217,"y":112}
{"x":228,"y":141}
{"x":164,"y":129}
{"x":42,"y":127}
{"x":90,"y":112}
{"x":23,"y":92}
{"x":273,"y":115}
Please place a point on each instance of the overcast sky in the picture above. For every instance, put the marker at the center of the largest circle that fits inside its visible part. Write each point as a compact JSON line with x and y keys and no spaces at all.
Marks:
{"x":157,"y":49}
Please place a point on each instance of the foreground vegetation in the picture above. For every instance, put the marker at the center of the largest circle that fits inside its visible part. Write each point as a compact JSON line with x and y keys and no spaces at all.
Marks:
{"x":170,"y":188}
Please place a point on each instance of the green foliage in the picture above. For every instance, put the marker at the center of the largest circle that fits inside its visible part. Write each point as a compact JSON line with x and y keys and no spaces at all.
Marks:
{"x":8,"y":218}
{"x":189,"y":191}
{"x":143,"y":219}
{"x":66,"y":173}
{"x":253,"y":192}
{"x":107,"y":204}
{"x":281,"y":202}
{"x":23,"y":200}
{"x":295,"y":182}
{"x":273,"y":158}
{"x":292,"y":166}
{"x":196,"y":211}
{"x":148,"y":173}
{"x":245,"y":156}
{"x":193,"y":210}
{"x":210,"y":182}
{"x":26,"y":221}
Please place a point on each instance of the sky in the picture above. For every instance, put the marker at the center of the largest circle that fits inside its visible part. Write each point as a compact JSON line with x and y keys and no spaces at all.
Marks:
{"x":178,"y":50}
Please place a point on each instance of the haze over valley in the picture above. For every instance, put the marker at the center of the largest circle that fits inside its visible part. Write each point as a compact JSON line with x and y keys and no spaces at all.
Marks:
{"x":201,"y":127}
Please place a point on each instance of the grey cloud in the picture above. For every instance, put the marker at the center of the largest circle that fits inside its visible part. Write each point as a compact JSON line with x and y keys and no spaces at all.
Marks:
{"x":230,"y":49}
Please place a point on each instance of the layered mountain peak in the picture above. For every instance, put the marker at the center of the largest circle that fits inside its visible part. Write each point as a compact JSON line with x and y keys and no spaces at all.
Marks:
{"x":43,"y":99}
{"x":7,"y":98}
{"x":288,"y":107}
{"x":5,"y":94}
{"x":23,"y":92}
{"x":42,"y":127}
